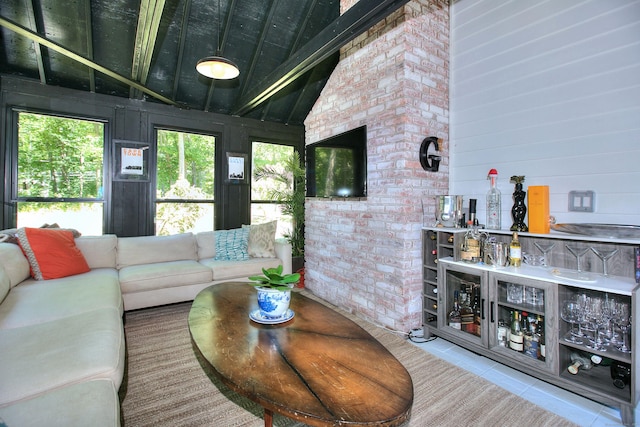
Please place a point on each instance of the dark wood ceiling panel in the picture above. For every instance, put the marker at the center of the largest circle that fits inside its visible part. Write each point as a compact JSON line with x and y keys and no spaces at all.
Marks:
{"x":91,"y":45}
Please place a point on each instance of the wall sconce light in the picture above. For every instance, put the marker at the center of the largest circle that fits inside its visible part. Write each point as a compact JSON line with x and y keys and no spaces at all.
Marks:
{"x":430,"y":162}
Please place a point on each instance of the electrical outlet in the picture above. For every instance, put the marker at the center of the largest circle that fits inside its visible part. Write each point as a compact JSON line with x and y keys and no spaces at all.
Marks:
{"x":582,"y":201}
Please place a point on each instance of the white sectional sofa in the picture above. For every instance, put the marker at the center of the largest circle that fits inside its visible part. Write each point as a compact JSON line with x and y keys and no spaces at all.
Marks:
{"x":62,"y":340}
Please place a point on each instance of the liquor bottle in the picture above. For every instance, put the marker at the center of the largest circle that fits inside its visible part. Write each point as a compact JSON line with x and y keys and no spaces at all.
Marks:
{"x":494,"y":203}
{"x":542,"y":353}
{"x":455,"y":320}
{"x":579,"y":361}
{"x":598,"y":360}
{"x":477,"y":315}
{"x":530,"y":342}
{"x":515,"y":251}
{"x":516,"y":338}
{"x":466,"y":314}
{"x":503,"y":333}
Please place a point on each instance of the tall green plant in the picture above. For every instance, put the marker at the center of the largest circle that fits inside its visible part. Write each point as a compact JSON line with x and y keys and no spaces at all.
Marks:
{"x":292,"y":174}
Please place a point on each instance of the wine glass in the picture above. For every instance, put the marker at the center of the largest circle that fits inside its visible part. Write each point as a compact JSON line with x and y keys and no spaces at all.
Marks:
{"x":596,"y":315}
{"x":577,"y":252}
{"x":604,"y":255}
{"x":571,"y":314}
{"x":623,"y":320}
{"x":545,"y":248}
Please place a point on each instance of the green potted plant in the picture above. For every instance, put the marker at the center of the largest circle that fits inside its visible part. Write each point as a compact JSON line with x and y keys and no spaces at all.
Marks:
{"x":274,"y":279}
{"x":292,"y":174}
{"x":274,"y":295}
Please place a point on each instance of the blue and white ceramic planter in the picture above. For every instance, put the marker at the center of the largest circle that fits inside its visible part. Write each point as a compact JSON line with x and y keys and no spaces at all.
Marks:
{"x":273,"y":303}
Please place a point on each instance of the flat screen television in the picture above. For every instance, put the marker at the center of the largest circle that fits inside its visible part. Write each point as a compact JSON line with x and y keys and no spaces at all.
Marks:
{"x":337,"y":166}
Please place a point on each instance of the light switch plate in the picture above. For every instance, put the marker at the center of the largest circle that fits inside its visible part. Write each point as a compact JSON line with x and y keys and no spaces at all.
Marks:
{"x":582,"y":201}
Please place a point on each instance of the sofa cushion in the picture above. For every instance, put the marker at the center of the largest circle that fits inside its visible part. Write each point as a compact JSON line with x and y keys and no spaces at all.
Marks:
{"x":5,"y":284}
{"x":36,"y":301}
{"x":232,"y":245}
{"x":99,"y":251}
{"x":261,"y":239}
{"x":155,"y":249}
{"x":52,"y":253}
{"x":137,"y":278}
{"x":206,"y":244}
{"x":91,"y":403}
{"x":14,"y":262}
{"x":39,"y":358}
{"x":223,"y":270}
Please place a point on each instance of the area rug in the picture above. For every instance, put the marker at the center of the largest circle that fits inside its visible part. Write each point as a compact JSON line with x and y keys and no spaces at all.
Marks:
{"x":165,"y":385}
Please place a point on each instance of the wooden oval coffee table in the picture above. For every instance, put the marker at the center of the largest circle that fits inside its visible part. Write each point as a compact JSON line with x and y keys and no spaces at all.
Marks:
{"x":319,"y":368}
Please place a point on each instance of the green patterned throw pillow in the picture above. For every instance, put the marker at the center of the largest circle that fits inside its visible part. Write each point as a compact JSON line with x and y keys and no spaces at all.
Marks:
{"x":232,"y":245}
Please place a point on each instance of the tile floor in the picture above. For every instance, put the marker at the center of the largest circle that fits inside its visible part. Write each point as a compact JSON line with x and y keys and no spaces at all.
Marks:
{"x":582,"y":411}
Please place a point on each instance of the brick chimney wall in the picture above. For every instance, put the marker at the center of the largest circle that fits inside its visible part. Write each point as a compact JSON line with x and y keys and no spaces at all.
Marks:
{"x":365,"y":255}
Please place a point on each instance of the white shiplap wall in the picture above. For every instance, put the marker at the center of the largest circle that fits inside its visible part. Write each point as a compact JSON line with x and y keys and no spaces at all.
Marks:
{"x":550,"y":90}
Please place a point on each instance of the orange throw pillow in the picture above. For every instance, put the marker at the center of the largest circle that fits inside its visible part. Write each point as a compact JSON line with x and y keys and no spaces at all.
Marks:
{"x":52,"y":253}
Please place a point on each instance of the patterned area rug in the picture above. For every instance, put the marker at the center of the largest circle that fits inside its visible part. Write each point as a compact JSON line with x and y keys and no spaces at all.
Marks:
{"x":165,"y":384}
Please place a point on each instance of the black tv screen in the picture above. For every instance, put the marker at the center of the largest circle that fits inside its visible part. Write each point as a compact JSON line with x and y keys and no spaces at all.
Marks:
{"x":337,"y":166}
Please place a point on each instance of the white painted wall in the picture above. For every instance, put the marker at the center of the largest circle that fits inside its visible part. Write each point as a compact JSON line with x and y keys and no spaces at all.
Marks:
{"x":550,"y":90}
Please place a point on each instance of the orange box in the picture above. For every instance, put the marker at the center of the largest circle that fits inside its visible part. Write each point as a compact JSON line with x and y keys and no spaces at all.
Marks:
{"x":538,"y":196}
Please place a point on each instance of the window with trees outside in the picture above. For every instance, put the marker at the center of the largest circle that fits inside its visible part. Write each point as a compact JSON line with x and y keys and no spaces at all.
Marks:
{"x":184,"y":182}
{"x":270,"y":179}
{"x":60,"y":172}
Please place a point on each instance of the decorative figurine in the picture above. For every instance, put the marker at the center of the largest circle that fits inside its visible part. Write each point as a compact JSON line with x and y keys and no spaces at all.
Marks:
{"x":519,"y":210}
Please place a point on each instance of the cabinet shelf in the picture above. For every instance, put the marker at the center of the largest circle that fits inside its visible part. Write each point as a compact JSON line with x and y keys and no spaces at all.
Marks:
{"x":611,"y":353}
{"x":598,"y":379}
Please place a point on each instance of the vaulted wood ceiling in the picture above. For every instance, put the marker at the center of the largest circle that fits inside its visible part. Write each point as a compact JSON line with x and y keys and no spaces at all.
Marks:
{"x":148,"y":49}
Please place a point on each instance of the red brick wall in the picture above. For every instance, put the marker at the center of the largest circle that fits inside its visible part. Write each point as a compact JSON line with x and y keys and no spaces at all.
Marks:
{"x":365,"y":255}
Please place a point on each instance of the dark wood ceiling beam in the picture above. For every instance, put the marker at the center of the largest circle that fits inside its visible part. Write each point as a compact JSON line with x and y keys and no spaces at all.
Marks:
{"x":294,"y":46}
{"x":266,"y":24}
{"x":355,"y":21}
{"x":19,"y":29}
{"x":186,"y":11}
{"x":89,"y":31}
{"x":36,"y":46}
{"x":146,"y":35}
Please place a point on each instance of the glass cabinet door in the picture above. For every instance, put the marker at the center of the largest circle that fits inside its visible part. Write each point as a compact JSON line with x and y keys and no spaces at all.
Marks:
{"x":463,"y":303}
{"x":521,"y":326}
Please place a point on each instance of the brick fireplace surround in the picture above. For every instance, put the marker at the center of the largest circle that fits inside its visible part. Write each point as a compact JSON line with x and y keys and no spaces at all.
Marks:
{"x":365,"y":255}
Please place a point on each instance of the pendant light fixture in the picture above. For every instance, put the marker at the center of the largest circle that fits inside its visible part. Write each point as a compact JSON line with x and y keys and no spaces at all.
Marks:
{"x":218,"y":67}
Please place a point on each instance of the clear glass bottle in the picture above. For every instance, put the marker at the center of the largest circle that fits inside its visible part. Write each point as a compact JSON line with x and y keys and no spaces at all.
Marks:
{"x":494,"y":203}
{"x":503,"y":334}
{"x":515,"y":251}
{"x":455,"y":319}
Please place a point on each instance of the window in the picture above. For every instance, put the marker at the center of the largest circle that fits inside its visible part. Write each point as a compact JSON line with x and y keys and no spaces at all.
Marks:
{"x":60,"y":172}
{"x":270,"y":179}
{"x":184,"y":182}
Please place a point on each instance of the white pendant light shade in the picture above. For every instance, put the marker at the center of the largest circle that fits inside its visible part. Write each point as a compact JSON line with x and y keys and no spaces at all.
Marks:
{"x":217,"y":67}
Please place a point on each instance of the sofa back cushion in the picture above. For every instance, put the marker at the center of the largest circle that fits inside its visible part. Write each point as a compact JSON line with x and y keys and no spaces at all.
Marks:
{"x":99,"y":251}
{"x":14,"y":262}
{"x":154,"y":249}
{"x":5,"y":284}
{"x":206,"y":244}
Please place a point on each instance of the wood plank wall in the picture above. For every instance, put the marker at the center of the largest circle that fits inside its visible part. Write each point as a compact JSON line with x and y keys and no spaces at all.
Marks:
{"x":549,"y":90}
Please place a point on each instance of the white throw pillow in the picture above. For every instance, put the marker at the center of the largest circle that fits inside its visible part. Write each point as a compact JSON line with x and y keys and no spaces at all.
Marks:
{"x":261,"y":239}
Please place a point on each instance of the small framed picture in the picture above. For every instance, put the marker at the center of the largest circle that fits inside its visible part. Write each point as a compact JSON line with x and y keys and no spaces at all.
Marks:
{"x":131,"y":160}
{"x":237,"y":168}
